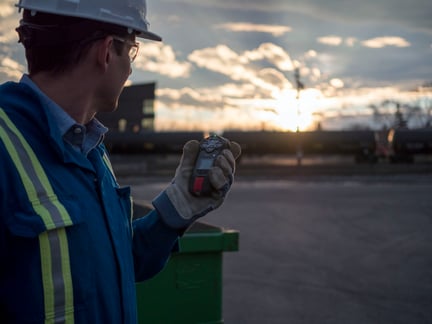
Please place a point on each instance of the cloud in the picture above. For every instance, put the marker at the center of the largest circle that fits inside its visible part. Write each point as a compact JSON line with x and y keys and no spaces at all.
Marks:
{"x":377,"y":42}
{"x":380,"y":42}
{"x":275,"y":30}
{"x":414,"y":14}
{"x":219,"y":59}
{"x":244,"y":67}
{"x":10,"y":69}
{"x":336,"y":83}
{"x":192,"y":108}
{"x":311,"y":54}
{"x":217,"y":53}
{"x":9,"y":18}
{"x":224,"y":60}
{"x":330,"y":40}
{"x":7,"y":8}
{"x":189,"y":97}
{"x":161,"y":58}
{"x":350,"y":41}
{"x":274,"y":54}
{"x":210,"y":97}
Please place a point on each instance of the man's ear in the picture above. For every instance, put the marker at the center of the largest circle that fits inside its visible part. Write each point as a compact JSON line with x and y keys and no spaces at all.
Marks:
{"x":103,"y":51}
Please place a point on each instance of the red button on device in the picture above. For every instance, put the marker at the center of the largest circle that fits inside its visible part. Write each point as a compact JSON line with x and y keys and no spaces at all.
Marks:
{"x":198,"y":184}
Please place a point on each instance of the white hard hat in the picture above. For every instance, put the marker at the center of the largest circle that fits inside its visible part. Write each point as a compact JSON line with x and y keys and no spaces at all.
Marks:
{"x":127,"y":13}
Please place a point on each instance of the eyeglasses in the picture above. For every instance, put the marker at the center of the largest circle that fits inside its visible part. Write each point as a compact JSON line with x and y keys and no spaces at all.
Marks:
{"x":134,"y":47}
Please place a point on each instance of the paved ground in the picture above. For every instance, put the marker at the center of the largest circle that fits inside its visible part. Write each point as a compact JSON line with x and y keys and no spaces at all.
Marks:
{"x":318,"y":247}
{"x":329,"y":252}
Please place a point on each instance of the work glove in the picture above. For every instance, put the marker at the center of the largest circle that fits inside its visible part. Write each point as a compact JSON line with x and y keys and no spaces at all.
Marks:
{"x":189,"y":207}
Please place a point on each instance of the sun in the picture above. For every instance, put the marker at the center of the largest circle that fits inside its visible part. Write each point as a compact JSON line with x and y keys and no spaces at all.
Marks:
{"x":295,"y":114}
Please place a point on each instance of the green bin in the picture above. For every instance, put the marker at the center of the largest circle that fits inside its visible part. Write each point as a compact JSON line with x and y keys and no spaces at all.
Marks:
{"x":189,"y":289}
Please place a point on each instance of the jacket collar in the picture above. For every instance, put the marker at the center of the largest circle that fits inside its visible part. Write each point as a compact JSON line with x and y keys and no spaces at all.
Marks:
{"x":29,"y":109}
{"x":82,"y":138}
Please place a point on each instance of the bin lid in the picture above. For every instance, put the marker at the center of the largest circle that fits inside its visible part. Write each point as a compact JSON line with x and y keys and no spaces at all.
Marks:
{"x":201,"y":237}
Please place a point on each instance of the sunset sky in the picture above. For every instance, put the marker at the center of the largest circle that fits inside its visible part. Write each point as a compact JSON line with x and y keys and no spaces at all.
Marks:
{"x":227,"y":64}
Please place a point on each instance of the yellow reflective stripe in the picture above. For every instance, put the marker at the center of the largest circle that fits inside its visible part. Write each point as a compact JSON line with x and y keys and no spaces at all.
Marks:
{"x":58,"y":293}
{"x":108,"y":164}
{"x":53,"y":244}
{"x":43,"y":196}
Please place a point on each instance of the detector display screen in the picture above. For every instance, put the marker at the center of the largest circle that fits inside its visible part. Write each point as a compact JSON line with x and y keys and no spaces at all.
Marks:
{"x":204,"y":164}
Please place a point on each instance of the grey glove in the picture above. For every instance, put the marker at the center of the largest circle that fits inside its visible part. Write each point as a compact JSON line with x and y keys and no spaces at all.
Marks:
{"x":188,"y":206}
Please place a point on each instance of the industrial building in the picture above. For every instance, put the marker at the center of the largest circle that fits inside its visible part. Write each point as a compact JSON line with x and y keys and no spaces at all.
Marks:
{"x":135,"y":112}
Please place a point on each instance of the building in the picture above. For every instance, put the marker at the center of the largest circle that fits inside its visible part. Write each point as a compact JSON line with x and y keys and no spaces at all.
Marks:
{"x":135,"y":112}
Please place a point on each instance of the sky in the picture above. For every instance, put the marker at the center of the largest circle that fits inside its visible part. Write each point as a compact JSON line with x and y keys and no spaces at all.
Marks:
{"x":231,"y":65}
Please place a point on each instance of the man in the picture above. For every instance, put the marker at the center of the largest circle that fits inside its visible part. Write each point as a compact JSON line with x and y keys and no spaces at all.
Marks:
{"x":68,"y":249}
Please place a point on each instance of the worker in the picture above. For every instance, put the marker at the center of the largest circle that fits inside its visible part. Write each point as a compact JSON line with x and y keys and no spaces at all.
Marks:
{"x":69,"y":251}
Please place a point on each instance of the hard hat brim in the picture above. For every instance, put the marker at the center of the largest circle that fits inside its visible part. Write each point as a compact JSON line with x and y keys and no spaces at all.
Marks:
{"x":149,"y":35}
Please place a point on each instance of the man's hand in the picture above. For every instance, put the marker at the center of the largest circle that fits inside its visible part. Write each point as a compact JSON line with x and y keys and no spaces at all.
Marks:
{"x":221,"y":175}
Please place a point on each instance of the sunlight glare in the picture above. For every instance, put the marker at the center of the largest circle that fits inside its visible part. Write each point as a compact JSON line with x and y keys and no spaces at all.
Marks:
{"x":292,"y":113}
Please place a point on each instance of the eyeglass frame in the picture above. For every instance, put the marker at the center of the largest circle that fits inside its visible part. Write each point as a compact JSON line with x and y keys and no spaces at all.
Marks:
{"x":133,"y":45}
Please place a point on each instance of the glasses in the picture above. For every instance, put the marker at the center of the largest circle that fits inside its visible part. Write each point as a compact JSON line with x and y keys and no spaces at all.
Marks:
{"x":134,"y":47}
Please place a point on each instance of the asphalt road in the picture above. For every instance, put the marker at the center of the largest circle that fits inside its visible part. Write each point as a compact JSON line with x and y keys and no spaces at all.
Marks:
{"x":329,"y":252}
{"x":324,"y":248}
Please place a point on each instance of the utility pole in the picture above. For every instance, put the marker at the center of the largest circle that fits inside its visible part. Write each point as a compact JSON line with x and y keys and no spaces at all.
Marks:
{"x":299,"y":86}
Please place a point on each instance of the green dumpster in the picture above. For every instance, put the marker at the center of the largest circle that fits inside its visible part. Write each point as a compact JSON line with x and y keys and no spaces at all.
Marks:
{"x":189,"y":289}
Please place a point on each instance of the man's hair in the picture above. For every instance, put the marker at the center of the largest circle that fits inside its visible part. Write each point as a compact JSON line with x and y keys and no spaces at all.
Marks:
{"x":55,"y":43}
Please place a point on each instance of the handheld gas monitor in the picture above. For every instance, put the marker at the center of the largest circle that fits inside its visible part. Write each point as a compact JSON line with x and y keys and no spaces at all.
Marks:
{"x":210,"y":148}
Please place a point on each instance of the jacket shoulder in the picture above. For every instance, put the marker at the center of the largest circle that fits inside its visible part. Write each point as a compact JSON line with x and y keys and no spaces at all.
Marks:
{"x":13,"y":95}
{"x":21,"y":104}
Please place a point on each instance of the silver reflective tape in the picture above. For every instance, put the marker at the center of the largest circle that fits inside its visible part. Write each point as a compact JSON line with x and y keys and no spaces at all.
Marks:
{"x":57,"y":276}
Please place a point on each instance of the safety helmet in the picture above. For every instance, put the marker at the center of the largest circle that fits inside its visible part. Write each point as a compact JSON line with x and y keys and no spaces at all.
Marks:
{"x":126,"y":13}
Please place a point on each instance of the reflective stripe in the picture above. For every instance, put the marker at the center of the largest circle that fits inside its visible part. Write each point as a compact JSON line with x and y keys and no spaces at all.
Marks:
{"x":34,"y":178}
{"x":58,"y":296}
{"x":54,"y":249}
{"x":108,"y":164}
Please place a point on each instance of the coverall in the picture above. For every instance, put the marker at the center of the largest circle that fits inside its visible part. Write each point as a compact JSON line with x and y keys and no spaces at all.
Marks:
{"x":68,"y":247}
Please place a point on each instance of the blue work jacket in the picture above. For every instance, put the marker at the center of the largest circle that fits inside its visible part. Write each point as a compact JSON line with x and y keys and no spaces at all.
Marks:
{"x":72,"y":252}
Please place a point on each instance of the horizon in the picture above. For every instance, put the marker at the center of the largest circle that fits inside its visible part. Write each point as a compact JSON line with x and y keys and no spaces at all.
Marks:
{"x":224,"y":65}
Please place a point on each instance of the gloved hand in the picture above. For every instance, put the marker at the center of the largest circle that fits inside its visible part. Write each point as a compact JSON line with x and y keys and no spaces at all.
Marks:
{"x":188,"y":206}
